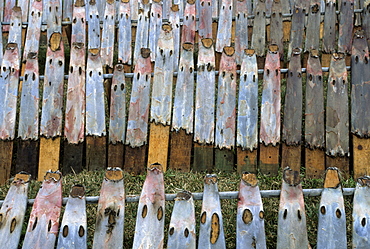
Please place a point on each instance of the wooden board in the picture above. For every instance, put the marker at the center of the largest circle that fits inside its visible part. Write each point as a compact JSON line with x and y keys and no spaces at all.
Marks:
{"x":181,"y":145}
{"x":342,"y":163}
{"x":314,"y":163}
{"x":259,"y":29}
{"x":72,"y":158}
{"x":158,"y":144}
{"x":313,"y":26}
{"x":224,"y":160}
{"x":291,"y":156}
{"x":203,"y":158}
{"x":6,"y":155}
{"x":269,"y":159}
{"x":135,"y":159}
{"x":116,"y":155}
{"x":361,"y":156}
{"x":96,"y":153}
{"x":49,"y":156}
{"x":330,"y":19}
{"x":246,"y":161}
{"x":27,"y":156}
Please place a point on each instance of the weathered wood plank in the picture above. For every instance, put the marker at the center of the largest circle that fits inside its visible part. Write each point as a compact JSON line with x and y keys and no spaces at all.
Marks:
{"x":366,"y":21}
{"x":182,"y":232}
{"x":313,"y":26}
{"x":135,"y":159}
{"x":108,"y":34}
{"x":361,"y":155}
{"x":250,"y":223}
{"x":246,"y":161}
{"x":346,"y":21}
{"x":96,"y":152}
{"x":203,"y":157}
{"x":27,"y":156}
{"x":330,"y":19}
{"x":6,"y":157}
{"x":149,"y":229}
{"x":331,"y":232}
{"x":276,"y":26}
{"x":73,"y":229}
{"x":292,"y":229}
{"x":259,"y":28}
{"x":211,"y":231}
{"x":241,"y":29}
{"x":43,"y":224}
{"x":124,"y":32}
{"x":110,"y":215}
{"x":181,"y":144}
{"x":116,"y":155}
{"x":49,"y":155}
{"x":297,"y":29}
{"x":158,"y":144}
{"x":72,"y":158}
{"x":13,"y":210}
{"x":224,"y":25}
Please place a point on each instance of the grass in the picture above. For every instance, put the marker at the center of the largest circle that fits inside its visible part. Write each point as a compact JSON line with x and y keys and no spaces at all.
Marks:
{"x":193,"y":182}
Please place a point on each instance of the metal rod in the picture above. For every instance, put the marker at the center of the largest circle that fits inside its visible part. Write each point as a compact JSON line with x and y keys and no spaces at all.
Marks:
{"x":223,"y":195}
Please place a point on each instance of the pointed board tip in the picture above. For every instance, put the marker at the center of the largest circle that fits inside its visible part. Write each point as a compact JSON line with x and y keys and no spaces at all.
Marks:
{"x":207,"y":42}
{"x":291,"y":177}
{"x":22,"y":177}
{"x":250,"y":179}
{"x":210,"y":179}
{"x":332,"y":178}
{"x":53,"y":175}
{"x":77,"y":191}
{"x":114,"y":174}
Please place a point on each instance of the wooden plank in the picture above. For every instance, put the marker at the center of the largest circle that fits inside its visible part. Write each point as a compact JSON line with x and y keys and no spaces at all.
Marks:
{"x":292,"y":229}
{"x":224,"y":25}
{"x":366,"y":21}
{"x":182,"y":225}
{"x":297,"y":29}
{"x":49,"y":156}
{"x":135,"y":159}
{"x":224,"y":160}
{"x":269,"y":159}
{"x":203,"y":157}
{"x":211,"y":230}
{"x":6,"y":156}
{"x":73,"y":229}
{"x":332,"y":218}
{"x":313,"y":26}
{"x":276,"y":33}
{"x":361,"y":155}
{"x":241,"y":30}
{"x":250,"y":223}
{"x":330,"y":19}
{"x":27,"y":156}
{"x":124,"y":33}
{"x":361,"y":208}
{"x":149,"y":229}
{"x":337,"y":115}
{"x":259,"y":29}
{"x":72,"y":158}
{"x":96,"y":153}
{"x":291,"y":157}
{"x":13,"y":210}
{"x":110,"y":215}
{"x":342,"y":163}
{"x":43,"y":224}
{"x":287,"y":25}
{"x":314,"y":162}
{"x":158,"y":145}
{"x":246,"y":161}
{"x":181,"y":145}
{"x":116,"y":155}
{"x":346,"y":21}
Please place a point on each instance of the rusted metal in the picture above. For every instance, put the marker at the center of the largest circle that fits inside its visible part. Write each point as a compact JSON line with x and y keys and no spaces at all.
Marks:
{"x":183,"y":108}
{"x":360,"y":215}
{"x":108,"y":33}
{"x":117,"y":123}
{"x":9,"y":91}
{"x":250,"y":223}
{"x":74,"y":128}
{"x":226,"y":101}
{"x":314,"y":106}
{"x":174,"y":19}
{"x":111,"y":211}
{"x":297,"y":29}
{"x":241,"y":29}
{"x":149,"y":230}
{"x":259,"y":28}
{"x":124,"y":32}
{"x":276,"y":26}
{"x":292,"y":229}
{"x":160,"y":111}
{"x":188,"y":26}
{"x":29,"y":107}
{"x":211,"y":231}
{"x":204,"y":103}
{"x":331,"y":231}
{"x":313,"y":26}
{"x":270,"y":106}
{"x":53,"y":91}
{"x":330,"y":19}
{"x":292,"y":126}
{"x":13,"y":210}
{"x":42,"y":229}
{"x":73,"y":229}
{"x":34,"y":30}
{"x":247,"y":125}
{"x":142,"y":30}
{"x":155,"y":27}
{"x":205,"y":19}
{"x":360,"y":91}
{"x":224,"y":25}
{"x":137,"y":125}
{"x":95,"y":104}
{"x":182,"y":225}
{"x":337,"y":116}
{"x":346,"y":20}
